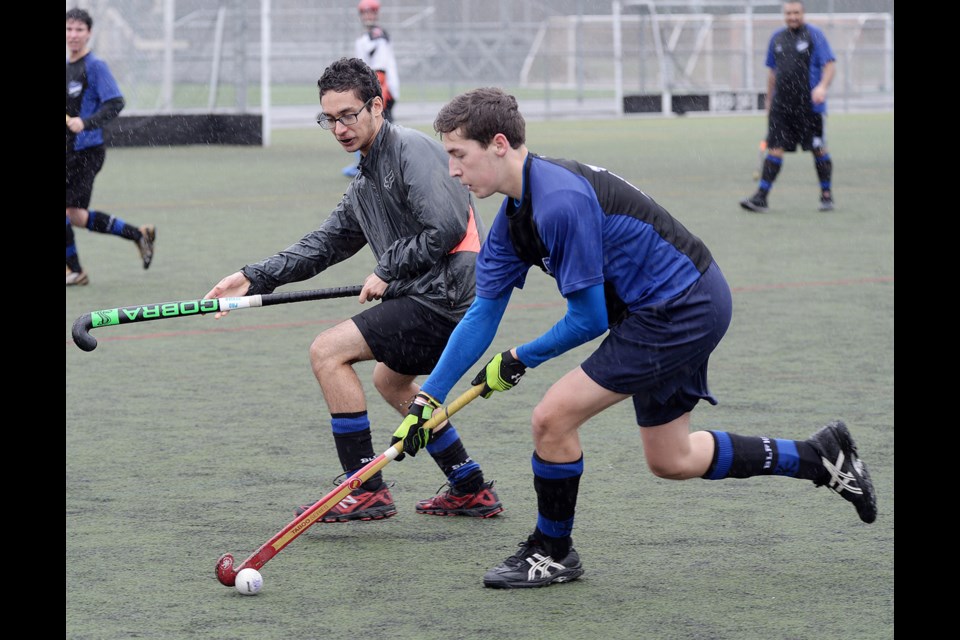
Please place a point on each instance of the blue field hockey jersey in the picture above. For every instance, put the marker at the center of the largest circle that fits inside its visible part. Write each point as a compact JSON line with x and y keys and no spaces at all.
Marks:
{"x":592,"y":227}
{"x":590,"y":230}
{"x":89,"y":85}
{"x":797,"y":57}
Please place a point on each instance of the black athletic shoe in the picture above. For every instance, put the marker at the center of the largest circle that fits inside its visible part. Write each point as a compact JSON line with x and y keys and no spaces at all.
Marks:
{"x":530,"y":566}
{"x":757,"y":202}
{"x":826,"y":204}
{"x":848,"y":475}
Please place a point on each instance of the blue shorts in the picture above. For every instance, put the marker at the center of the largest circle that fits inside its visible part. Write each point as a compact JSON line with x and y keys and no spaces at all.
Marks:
{"x":659,"y":353}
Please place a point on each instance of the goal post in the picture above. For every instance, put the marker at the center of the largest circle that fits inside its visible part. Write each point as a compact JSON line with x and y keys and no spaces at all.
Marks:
{"x":674,"y":56}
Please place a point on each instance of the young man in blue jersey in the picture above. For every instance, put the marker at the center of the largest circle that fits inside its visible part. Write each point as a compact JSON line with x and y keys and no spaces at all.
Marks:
{"x":626,"y":266}
{"x":802,"y":66}
{"x":93,"y":100}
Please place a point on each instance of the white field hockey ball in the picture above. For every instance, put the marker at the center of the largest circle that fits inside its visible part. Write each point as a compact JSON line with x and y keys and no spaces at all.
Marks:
{"x":249,"y":582}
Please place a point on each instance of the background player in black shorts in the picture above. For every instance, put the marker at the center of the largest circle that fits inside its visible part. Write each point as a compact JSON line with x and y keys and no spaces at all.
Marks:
{"x":93,"y":100}
{"x":802,"y":66}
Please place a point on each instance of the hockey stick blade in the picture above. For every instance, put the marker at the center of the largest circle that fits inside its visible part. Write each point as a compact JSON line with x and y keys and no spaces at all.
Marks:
{"x":226,"y":569}
{"x":165,"y":310}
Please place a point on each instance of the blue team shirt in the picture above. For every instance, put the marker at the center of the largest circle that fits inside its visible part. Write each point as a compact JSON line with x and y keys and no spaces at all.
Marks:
{"x":101,"y":87}
{"x":798,"y":57}
{"x":604,"y":241}
{"x":598,"y":229}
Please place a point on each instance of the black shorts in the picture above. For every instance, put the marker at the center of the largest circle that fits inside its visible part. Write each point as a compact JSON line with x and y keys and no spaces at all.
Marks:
{"x":82,"y":167}
{"x":786,"y":131}
{"x":659,"y":353}
{"x":405,"y":335}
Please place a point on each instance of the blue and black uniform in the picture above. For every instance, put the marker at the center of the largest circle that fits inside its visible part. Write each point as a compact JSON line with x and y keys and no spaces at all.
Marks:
{"x":625,"y":266}
{"x":797,"y":57}
{"x":93,"y":95}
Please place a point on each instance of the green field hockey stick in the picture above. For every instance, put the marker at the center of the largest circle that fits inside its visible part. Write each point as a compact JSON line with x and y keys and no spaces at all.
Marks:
{"x":165,"y":310}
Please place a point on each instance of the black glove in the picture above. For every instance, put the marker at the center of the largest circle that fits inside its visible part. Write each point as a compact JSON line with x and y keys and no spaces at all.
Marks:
{"x":501,"y":373}
{"x":411,"y":430}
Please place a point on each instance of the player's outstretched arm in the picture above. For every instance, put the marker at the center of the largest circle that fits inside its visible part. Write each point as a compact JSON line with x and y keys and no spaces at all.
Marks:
{"x":234,"y":285}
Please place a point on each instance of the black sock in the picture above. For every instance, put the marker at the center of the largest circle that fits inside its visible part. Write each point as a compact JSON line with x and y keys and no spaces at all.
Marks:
{"x":557,"y":486}
{"x":824,"y":167}
{"x":105,"y":223}
{"x":463,"y":473}
{"x":73,"y":259}
{"x":351,"y":433}
{"x":738,"y":456}
{"x":771,"y":168}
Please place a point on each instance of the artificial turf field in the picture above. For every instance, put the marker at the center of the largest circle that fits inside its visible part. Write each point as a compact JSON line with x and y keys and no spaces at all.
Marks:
{"x":190,"y":437}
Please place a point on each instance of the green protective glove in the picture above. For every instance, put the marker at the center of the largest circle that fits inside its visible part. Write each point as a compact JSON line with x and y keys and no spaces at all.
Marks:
{"x":501,"y":373}
{"x":411,"y":430}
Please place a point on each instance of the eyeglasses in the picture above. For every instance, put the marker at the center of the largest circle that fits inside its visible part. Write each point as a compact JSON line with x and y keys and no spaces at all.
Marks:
{"x":346,"y":120}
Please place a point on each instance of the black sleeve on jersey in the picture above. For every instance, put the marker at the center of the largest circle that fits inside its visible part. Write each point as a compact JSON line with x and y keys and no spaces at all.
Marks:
{"x":107,"y":112}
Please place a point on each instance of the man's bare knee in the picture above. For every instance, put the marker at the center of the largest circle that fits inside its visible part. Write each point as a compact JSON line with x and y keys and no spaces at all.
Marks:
{"x":324,"y":357}
{"x":672,"y":469}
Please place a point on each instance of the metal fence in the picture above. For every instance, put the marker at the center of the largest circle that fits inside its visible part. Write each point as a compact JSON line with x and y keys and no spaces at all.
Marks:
{"x":568,"y":55}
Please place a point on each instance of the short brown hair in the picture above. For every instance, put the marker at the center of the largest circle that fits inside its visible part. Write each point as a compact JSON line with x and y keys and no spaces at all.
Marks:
{"x":481,"y":114}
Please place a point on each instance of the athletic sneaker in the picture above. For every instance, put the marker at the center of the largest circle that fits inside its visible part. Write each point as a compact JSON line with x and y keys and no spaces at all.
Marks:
{"x":826,"y":203}
{"x":532,"y":567}
{"x":148,"y":235}
{"x":359,"y":505}
{"x":757,"y":202}
{"x":848,"y":475}
{"x":481,"y":504}
{"x":77,"y":278}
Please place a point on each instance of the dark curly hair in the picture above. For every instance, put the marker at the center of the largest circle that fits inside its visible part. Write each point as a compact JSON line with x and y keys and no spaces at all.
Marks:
{"x":79,"y":14}
{"x":350,"y":74}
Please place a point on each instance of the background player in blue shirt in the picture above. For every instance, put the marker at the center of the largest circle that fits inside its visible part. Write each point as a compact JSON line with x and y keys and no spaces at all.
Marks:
{"x":802,"y":66}
{"x":93,"y":100}
{"x":626,"y":267}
